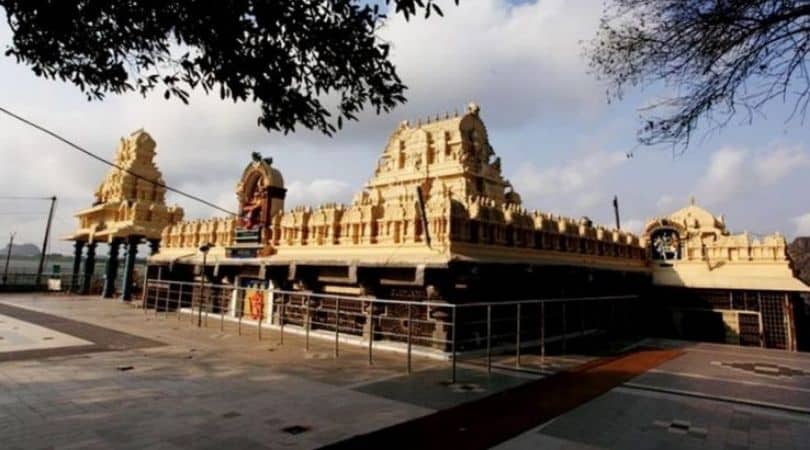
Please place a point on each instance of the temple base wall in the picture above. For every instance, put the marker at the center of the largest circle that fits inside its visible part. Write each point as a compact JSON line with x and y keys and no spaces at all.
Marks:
{"x":770,"y":319}
{"x":429,"y":325}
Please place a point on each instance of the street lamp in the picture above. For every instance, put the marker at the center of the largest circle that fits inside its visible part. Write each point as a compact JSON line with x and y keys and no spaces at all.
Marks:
{"x":204,"y":249}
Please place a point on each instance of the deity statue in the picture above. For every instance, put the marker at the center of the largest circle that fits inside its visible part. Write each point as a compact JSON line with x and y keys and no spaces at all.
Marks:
{"x":251,"y":211}
{"x":666,"y":246}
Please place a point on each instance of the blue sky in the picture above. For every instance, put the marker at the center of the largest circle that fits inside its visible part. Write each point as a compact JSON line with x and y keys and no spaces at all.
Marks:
{"x":562,"y":145}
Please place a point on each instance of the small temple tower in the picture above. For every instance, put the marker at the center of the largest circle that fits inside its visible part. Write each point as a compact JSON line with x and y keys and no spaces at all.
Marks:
{"x":261,"y":195}
{"x":736,"y":288}
{"x":127,"y":210}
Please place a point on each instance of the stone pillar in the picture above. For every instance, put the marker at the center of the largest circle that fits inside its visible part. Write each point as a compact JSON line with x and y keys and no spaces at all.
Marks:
{"x":112,"y":269}
{"x":89,"y":268}
{"x":129,"y":266}
{"x":78,"y":246}
{"x":154,"y":246}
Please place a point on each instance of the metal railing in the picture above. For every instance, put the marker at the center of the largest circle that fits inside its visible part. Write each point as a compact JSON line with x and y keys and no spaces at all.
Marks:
{"x":430,"y":328}
{"x":63,"y":282}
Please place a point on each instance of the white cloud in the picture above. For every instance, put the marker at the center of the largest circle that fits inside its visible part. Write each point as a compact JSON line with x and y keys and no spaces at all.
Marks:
{"x":633,"y":225}
{"x":524,"y":61}
{"x":576,"y":187}
{"x":734,"y":171}
{"x":575,"y":175}
{"x":665,"y":203}
{"x":317,"y":192}
{"x":802,"y":225}
{"x":724,"y":177}
{"x":773,"y":166}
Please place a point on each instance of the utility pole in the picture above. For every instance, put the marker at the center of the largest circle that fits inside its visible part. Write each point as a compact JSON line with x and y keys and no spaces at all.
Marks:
{"x":616,"y":211}
{"x":8,"y":255}
{"x":45,"y":242}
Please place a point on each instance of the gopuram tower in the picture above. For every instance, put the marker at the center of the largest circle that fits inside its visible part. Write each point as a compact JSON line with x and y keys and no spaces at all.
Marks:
{"x":129,"y":207}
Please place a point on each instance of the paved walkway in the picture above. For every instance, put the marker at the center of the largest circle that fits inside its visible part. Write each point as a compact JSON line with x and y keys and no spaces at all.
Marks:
{"x":85,"y":373}
{"x":711,"y":397}
{"x":19,"y":335}
{"x":169,"y":384}
{"x":471,"y":425}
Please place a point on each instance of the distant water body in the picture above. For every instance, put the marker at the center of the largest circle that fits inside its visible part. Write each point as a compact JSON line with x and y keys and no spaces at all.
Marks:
{"x":64,"y":263}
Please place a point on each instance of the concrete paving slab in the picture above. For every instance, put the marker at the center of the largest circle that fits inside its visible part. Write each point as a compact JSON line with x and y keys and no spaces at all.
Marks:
{"x":734,"y":409}
{"x":18,"y":335}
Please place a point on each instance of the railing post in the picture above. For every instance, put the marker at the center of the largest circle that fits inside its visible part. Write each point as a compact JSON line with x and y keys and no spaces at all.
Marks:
{"x":564,"y":329}
{"x":582,"y":318}
{"x":179,"y":302}
{"x":306,"y":324}
{"x":144,"y":303}
{"x":157,"y":298}
{"x":259,"y":322}
{"x":198,"y":300}
{"x":489,"y":339}
{"x":337,"y":327}
{"x":517,"y":338}
{"x":205,"y":303}
{"x":221,"y":312}
{"x":281,"y":320}
{"x":626,"y":314}
{"x":168,"y":300}
{"x":542,"y":331}
{"x":453,"y":347}
{"x":410,"y":333}
{"x":241,"y":312}
{"x":145,"y":291}
{"x":370,"y":331}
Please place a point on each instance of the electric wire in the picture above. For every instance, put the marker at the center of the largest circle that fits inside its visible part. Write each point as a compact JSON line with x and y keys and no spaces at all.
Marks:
{"x":22,"y":197}
{"x":112,"y":164}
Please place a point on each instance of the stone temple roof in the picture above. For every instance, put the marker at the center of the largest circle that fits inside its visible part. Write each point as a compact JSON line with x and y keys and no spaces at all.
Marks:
{"x":437,"y":196}
{"x":131,"y":200}
{"x":695,"y":217}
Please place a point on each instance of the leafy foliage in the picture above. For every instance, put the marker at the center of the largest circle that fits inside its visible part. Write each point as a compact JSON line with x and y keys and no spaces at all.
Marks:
{"x":289,"y":56}
{"x":717,"y":57}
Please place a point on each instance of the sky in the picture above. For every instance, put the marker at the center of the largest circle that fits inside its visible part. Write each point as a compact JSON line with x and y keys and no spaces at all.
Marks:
{"x":562,"y":145}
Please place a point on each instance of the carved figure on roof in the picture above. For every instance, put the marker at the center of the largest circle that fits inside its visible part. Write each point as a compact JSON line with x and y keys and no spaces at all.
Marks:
{"x":260,"y":192}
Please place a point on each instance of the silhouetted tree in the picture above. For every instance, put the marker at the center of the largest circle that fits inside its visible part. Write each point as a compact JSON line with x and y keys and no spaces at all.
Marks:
{"x":714,"y":58}
{"x":287,"y":55}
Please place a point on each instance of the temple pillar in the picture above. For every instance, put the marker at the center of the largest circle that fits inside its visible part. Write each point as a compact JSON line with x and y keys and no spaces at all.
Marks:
{"x":129,"y":267}
{"x":154,"y":246}
{"x":78,"y":246}
{"x":112,"y":269}
{"x":89,"y":268}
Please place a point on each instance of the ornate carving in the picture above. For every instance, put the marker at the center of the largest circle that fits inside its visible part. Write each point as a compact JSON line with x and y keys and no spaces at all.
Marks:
{"x":127,"y":204}
{"x":469,"y":207}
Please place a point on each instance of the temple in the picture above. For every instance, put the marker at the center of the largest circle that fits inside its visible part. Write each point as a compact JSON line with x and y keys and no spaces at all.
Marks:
{"x":439,"y":222}
{"x":129,"y":207}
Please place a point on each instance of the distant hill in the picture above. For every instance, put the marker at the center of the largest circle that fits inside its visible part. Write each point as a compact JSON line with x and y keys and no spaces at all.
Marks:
{"x":799,"y":251}
{"x":23,"y":250}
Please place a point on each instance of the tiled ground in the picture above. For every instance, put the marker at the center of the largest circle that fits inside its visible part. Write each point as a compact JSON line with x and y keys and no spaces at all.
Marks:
{"x":206,"y":388}
{"x":148,"y":381}
{"x":18,"y":335}
{"x":712,"y":397}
